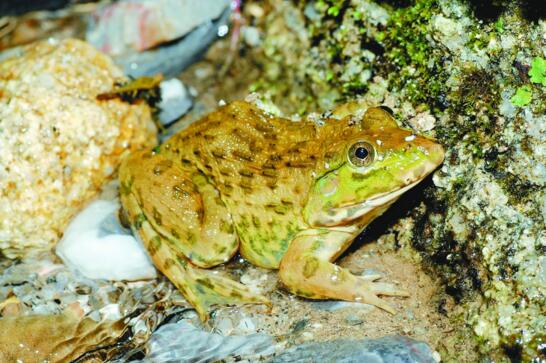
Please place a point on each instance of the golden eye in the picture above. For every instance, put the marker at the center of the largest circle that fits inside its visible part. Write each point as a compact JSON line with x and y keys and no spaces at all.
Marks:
{"x":361,"y":154}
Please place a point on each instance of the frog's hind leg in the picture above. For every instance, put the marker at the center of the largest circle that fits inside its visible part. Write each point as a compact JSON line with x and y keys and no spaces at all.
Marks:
{"x":180,"y":205}
{"x":168,"y":213}
{"x":201,"y":288}
{"x":306,"y":270}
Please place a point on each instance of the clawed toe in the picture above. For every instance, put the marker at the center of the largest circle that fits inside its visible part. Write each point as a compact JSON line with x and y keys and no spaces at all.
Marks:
{"x":382,"y":288}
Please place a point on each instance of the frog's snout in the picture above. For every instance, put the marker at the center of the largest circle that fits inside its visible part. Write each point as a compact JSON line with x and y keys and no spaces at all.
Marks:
{"x":433,"y":156}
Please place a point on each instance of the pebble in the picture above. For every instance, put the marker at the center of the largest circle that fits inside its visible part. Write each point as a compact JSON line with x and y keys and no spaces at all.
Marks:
{"x":95,"y":245}
{"x":307,"y":335}
{"x":175,"y":101}
{"x":423,"y":121}
{"x":353,"y":320}
{"x":338,"y":305}
{"x":183,"y":342}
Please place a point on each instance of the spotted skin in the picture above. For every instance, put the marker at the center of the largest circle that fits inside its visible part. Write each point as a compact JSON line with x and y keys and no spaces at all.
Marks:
{"x":201,"y":288}
{"x":285,"y":194}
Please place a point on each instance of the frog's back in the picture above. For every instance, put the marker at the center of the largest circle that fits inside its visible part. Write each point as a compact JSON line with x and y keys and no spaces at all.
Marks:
{"x":261,"y":165}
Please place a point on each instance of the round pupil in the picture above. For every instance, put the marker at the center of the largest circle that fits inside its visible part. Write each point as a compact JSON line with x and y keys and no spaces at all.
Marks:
{"x":361,"y":152}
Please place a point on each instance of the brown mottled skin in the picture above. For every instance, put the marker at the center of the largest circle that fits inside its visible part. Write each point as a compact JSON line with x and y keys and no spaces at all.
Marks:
{"x":282,"y":192}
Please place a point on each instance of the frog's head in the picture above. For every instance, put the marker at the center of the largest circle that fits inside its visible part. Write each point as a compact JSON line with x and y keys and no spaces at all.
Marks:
{"x":362,"y":175}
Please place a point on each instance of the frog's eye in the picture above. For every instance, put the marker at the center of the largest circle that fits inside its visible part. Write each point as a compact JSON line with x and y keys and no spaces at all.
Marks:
{"x":361,"y":153}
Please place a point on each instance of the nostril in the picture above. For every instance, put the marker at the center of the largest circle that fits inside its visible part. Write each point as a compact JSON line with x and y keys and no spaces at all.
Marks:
{"x":418,"y":172}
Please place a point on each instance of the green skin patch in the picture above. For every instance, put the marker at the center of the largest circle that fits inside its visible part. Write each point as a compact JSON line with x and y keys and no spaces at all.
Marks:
{"x":346,"y":184}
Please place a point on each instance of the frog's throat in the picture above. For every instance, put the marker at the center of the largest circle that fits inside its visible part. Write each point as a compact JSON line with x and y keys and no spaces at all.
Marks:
{"x":342,"y":215}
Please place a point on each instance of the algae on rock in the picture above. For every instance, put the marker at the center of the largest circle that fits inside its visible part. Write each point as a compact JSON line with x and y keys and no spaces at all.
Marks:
{"x":472,"y":76}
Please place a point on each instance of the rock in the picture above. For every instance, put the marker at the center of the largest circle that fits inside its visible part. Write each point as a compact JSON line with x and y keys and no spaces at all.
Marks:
{"x":112,"y":27}
{"x":59,"y":143}
{"x":172,"y":58}
{"x":96,"y":245}
{"x":394,"y":349}
{"x":194,"y":25}
{"x":175,"y":101}
{"x":66,"y":313}
{"x":352,"y":319}
{"x":65,"y":337}
{"x":422,"y":122}
{"x":16,"y":7}
{"x":251,"y":35}
{"x":330,"y":305}
{"x":183,"y":342}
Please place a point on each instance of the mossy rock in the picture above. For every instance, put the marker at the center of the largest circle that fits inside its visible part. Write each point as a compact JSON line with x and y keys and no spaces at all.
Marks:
{"x":475,"y":68}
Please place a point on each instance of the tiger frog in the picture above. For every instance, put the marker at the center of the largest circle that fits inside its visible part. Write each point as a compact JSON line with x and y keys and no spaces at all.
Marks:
{"x":287,"y":195}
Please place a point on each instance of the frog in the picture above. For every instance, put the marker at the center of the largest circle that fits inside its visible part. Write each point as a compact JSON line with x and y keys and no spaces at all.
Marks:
{"x":287,"y":195}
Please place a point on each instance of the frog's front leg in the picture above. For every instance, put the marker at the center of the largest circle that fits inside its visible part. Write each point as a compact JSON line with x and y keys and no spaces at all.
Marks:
{"x":306,"y":269}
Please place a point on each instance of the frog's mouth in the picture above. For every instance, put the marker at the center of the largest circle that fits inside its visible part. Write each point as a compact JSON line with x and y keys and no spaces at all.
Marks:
{"x":386,"y":199}
{"x":374,"y":207}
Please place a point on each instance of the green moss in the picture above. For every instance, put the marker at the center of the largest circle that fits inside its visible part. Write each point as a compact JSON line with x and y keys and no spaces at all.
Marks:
{"x":517,"y":189}
{"x":333,"y":10}
{"x":499,"y":25}
{"x":477,"y":100}
{"x":523,"y":96}
{"x":537,"y":72}
{"x":411,"y":64}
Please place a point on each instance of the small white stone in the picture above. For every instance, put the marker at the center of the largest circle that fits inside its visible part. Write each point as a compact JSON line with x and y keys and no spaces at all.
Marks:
{"x":307,"y":335}
{"x":98,"y":247}
{"x":221,"y":103}
{"x":223,"y":30}
{"x":251,"y":36}
{"x":175,"y":100}
{"x":423,"y":121}
{"x":110,"y":312}
{"x":410,"y":138}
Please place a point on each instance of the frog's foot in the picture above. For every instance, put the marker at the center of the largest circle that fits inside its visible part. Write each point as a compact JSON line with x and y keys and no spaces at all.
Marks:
{"x":201,"y":288}
{"x":204,"y":289}
{"x":306,"y":270}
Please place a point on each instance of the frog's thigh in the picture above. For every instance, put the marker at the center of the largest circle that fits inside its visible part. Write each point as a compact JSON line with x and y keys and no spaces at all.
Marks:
{"x":306,"y":270}
{"x":185,"y":209}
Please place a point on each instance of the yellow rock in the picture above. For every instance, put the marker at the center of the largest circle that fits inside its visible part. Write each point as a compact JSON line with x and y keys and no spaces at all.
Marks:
{"x":58,"y":143}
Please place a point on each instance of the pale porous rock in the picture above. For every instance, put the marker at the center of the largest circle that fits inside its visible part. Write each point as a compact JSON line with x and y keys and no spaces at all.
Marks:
{"x":58,"y":144}
{"x":423,"y":121}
